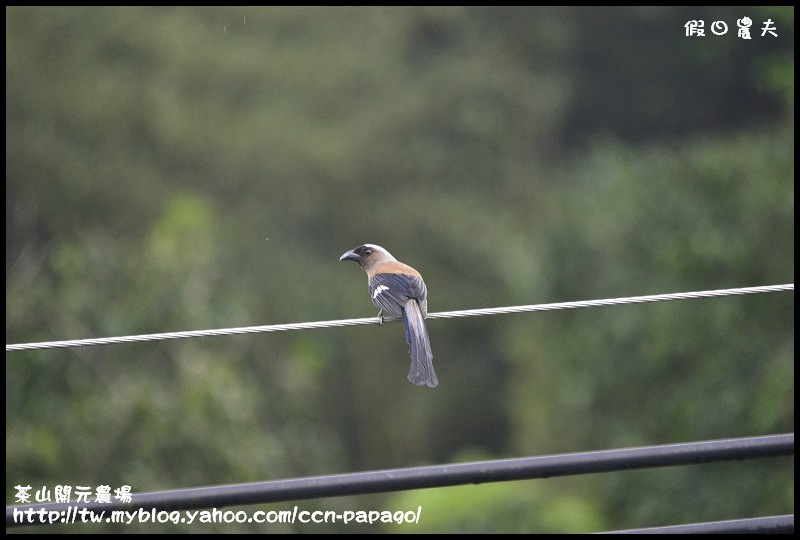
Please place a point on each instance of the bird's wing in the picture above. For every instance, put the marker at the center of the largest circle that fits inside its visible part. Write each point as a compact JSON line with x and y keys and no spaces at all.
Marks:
{"x":390,"y":292}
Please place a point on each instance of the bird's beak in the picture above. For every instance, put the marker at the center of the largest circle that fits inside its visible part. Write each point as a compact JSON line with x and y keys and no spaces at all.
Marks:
{"x":349,"y":256}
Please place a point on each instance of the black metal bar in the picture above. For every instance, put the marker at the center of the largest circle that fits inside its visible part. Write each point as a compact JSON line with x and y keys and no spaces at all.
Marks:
{"x":438,"y":476}
{"x":764,"y":525}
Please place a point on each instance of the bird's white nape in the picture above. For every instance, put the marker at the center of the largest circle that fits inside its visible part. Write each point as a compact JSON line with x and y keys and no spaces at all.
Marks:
{"x":375,"y":247}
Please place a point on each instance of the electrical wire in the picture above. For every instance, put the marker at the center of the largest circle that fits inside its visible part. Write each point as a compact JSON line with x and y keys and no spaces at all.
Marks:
{"x":381,"y":320}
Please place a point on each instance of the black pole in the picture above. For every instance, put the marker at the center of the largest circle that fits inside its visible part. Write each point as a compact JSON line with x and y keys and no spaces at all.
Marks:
{"x":428,"y":477}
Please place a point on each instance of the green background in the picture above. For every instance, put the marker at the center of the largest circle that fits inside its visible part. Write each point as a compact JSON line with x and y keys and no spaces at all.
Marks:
{"x":177,"y":169}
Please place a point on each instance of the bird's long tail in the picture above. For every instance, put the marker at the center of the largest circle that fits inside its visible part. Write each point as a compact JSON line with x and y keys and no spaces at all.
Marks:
{"x":421,"y":372}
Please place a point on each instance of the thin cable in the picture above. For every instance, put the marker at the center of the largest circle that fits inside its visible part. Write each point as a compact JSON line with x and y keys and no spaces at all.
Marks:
{"x":378,"y":320}
{"x":772,"y":524}
{"x":455,"y":474}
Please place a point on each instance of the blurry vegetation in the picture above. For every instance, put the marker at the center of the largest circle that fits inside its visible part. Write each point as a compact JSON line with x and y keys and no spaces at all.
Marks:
{"x":188,"y":168}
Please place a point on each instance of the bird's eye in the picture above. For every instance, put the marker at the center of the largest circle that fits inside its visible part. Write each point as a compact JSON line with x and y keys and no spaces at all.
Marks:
{"x":367,"y":252}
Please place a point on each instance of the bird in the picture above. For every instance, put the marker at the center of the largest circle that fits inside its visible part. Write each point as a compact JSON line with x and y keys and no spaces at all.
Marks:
{"x":398,"y":289}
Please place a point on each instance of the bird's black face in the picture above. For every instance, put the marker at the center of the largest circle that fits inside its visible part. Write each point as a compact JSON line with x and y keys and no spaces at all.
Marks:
{"x":359,"y":255}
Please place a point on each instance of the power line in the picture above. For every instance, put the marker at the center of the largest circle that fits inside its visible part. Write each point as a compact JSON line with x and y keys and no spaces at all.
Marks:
{"x":773,"y":524}
{"x":378,"y":320}
{"x":391,"y":480}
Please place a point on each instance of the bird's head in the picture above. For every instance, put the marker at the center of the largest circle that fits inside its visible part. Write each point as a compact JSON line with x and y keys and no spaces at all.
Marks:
{"x":367,"y":256}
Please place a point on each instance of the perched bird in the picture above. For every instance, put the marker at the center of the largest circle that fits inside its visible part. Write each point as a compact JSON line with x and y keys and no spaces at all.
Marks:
{"x":398,"y":290}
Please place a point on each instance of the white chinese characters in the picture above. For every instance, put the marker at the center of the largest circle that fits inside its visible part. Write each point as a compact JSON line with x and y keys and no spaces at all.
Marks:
{"x":696,"y":28}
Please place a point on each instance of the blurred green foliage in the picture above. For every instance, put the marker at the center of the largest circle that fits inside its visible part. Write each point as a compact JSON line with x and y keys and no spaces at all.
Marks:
{"x":188,"y":168}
